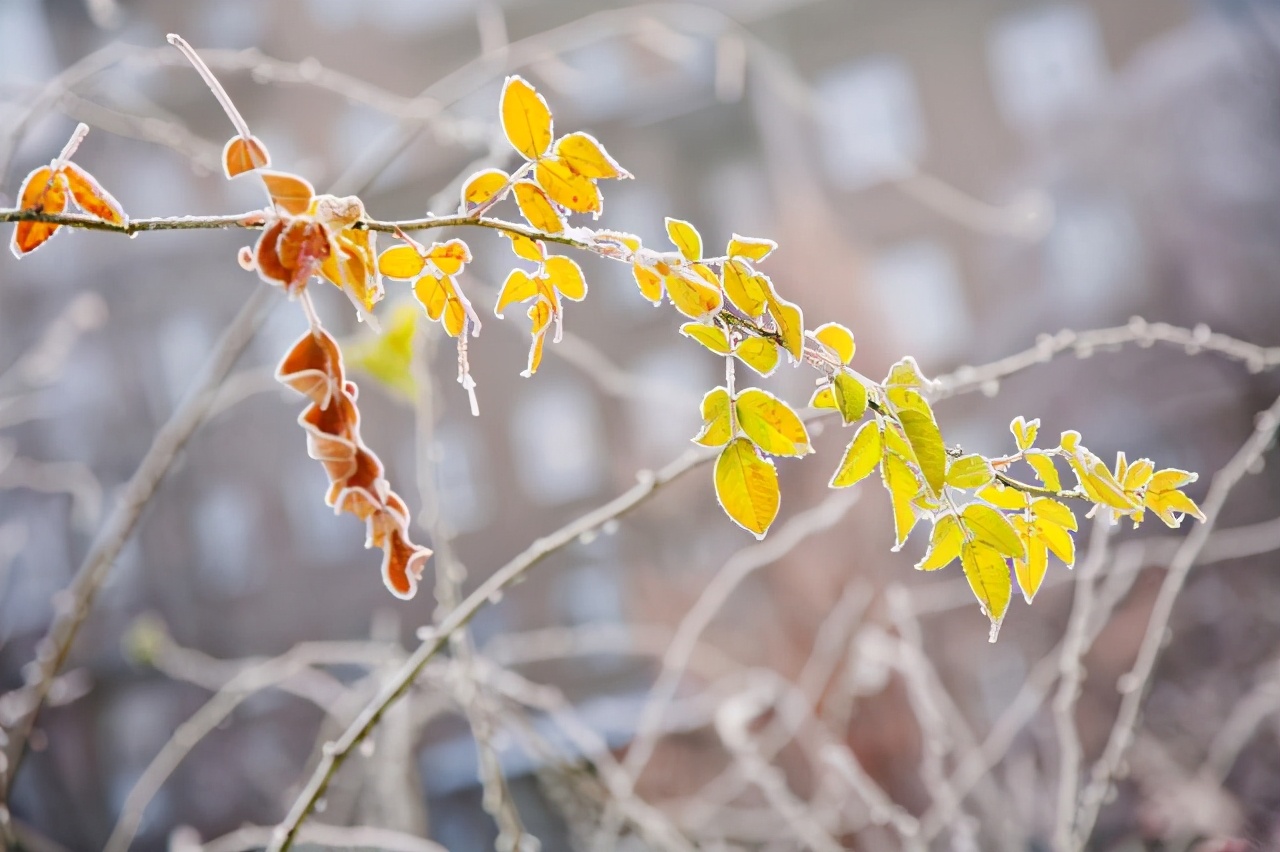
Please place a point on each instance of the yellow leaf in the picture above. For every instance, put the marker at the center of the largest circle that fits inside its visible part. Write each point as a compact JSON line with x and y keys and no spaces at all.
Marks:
{"x":1030,"y":571}
{"x":905,"y":374}
{"x":903,"y":486}
{"x":837,"y":338}
{"x":526,"y":248}
{"x":482,"y":186}
{"x":850,"y":396}
{"x":536,"y":208}
{"x":971,"y":471}
{"x":1054,"y":512}
{"x":449,"y":257}
{"x":650,"y":282}
{"x":998,"y":494}
{"x":690,"y":293}
{"x":1099,"y":483}
{"x":1057,"y":540}
{"x":540,"y":313}
{"x":455,"y":313}
{"x":988,"y":576}
{"x":823,"y":397}
{"x":568,"y":188}
{"x":586,"y":156}
{"x":1169,"y":505}
{"x":752,"y":248}
{"x":566,"y":277}
{"x":771,"y":424}
{"x":993,"y":529}
{"x":944,"y":544}
{"x":389,"y":356}
{"x":759,"y":354}
{"x":926,"y":443}
{"x":1139,"y":475}
{"x":743,"y":289}
{"x":401,"y":261}
{"x":685,"y":237}
{"x":710,"y":336}
{"x":526,"y":118}
{"x":717,"y":425}
{"x":630,"y":242}
{"x":1045,"y":469}
{"x":1170,"y":479}
{"x":747,"y":487}
{"x":1023,"y":432}
{"x":433,"y":293}
{"x":518,"y":287}
{"x":897,"y":444}
{"x":790,"y":322}
{"x":860,"y":457}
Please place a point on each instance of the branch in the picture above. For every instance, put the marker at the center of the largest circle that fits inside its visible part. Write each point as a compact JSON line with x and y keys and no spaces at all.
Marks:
{"x":71,"y":610}
{"x":335,"y":753}
{"x":1133,"y":685}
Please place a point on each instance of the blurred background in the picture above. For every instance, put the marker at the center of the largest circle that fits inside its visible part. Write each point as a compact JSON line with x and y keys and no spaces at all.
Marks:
{"x":950,"y":180}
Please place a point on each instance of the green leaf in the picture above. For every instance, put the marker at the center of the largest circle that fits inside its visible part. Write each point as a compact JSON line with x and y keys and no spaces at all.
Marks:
{"x":747,"y":487}
{"x":851,"y":396}
{"x":860,"y":457}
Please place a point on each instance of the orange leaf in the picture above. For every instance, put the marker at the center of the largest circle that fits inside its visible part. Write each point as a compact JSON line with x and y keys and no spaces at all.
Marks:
{"x":526,"y":118}
{"x":586,"y":156}
{"x":242,"y":155}
{"x":43,"y":190}
{"x":536,"y":208}
{"x":290,"y":193}
{"x":568,"y":188}
{"x":90,"y":196}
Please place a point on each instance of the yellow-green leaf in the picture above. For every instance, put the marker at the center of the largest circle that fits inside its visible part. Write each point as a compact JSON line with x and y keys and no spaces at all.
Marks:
{"x":905,"y":374}
{"x":971,"y":471}
{"x":685,"y":237}
{"x":850,"y":396}
{"x":710,"y":336}
{"x":790,"y":322}
{"x":771,"y":424}
{"x":747,"y":487}
{"x":389,"y":356}
{"x":837,"y":338}
{"x":743,"y":289}
{"x":823,"y":397}
{"x":1024,"y":432}
{"x":944,"y":544}
{"x":903,"y":486}
{"x":526,"y":118}
{"x":537,"y":208}
{"x":586,"y":156}
{"x":1030,"y":571}
{"x":1046,"y":471}
{"x":998,"y":494}
{"x":926,"y":442}
{"x":752,"y":248}
{"x":992,"y":528}
{"x":1054,"y":512}
{"x":566,"y":277}
{"x":1057,"y":540}
{"x":988,"y":576}
{"x":482,"y":186}
{"x":759,"y":354}
{"x":860,"y":457}
{"x":717,"y":427}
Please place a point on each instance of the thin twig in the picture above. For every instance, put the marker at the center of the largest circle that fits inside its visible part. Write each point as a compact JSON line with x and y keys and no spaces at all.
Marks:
{"x":1133,"y":685}
{"x":72,"y":606}
{"x":335,"y":753}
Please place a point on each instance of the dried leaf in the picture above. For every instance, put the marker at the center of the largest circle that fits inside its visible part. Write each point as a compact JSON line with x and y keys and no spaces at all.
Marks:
{"x":289,"y":193}
{"x":242,"y":155}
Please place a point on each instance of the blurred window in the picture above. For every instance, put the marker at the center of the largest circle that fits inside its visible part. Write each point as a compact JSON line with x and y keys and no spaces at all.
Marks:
{"x":224,"y":529}
{"x":1093,"y":256}
{"x":557,"y":443}
{"x":871,"y":125}
{"x":1044,"y":61}
{"x":664,"y":413}
{"x":461,"y":479}
{"x":922,"y":298}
